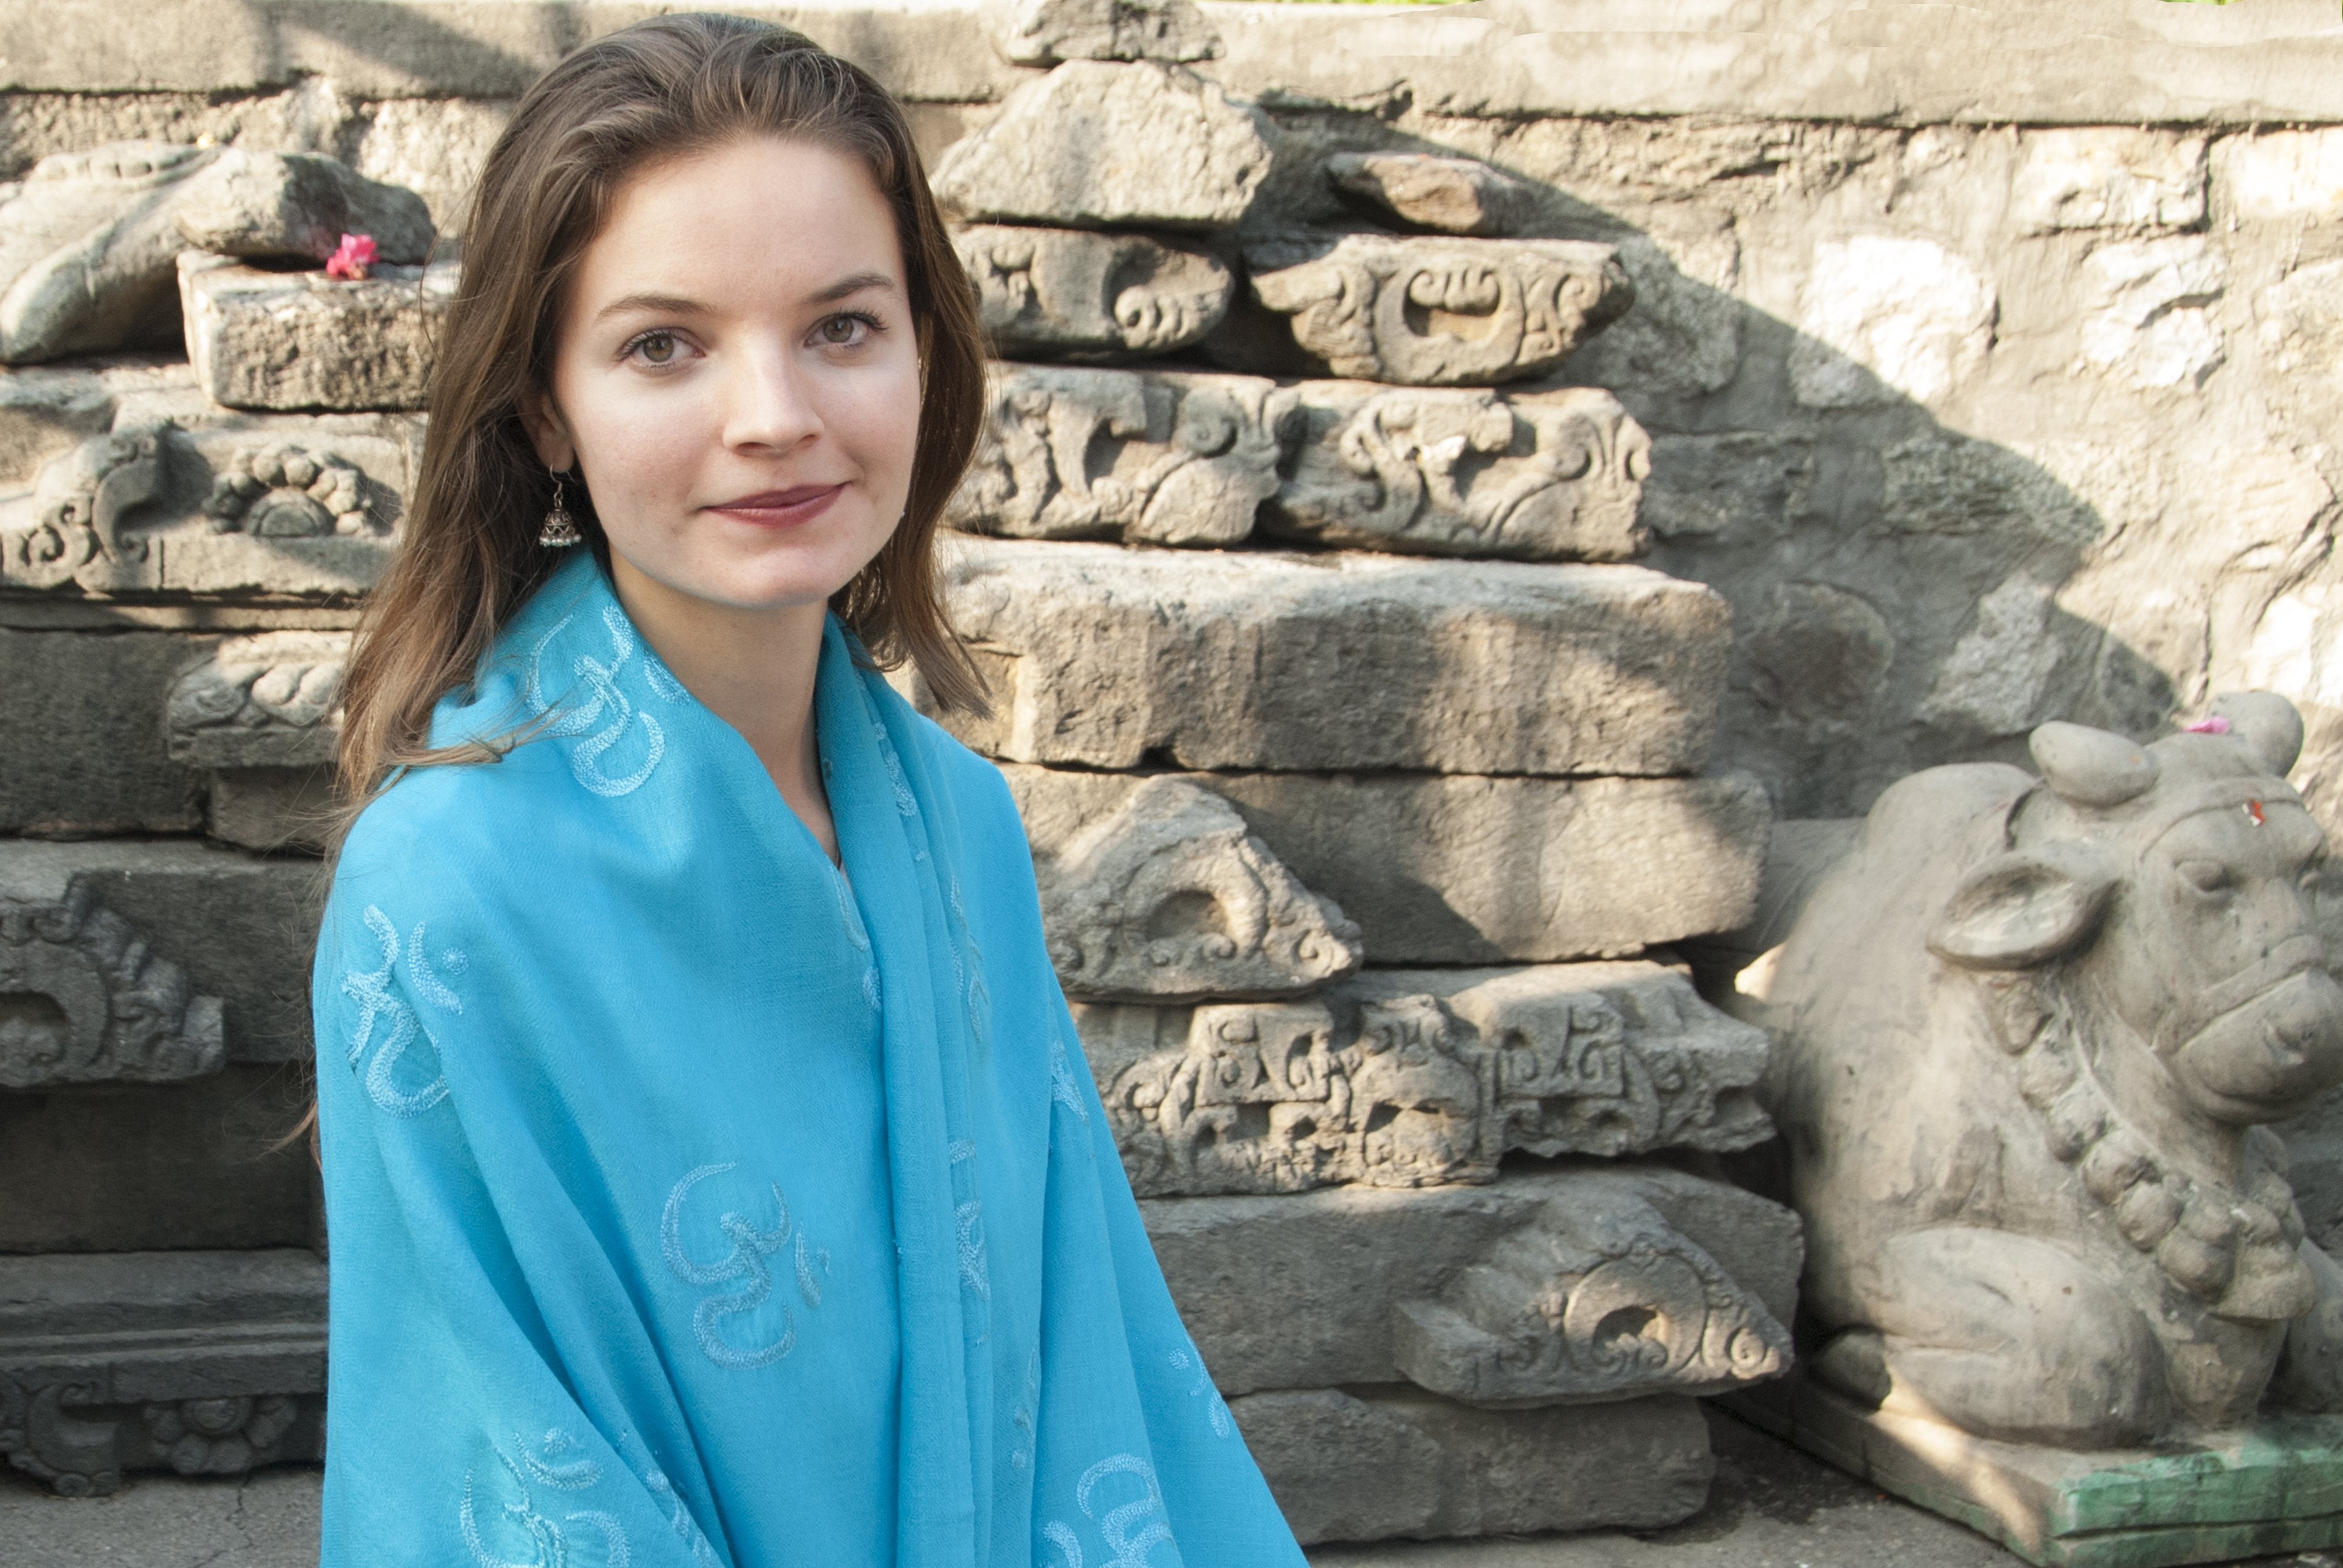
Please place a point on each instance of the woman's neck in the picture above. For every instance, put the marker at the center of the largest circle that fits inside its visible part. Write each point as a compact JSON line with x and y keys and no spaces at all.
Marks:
{"x":753,"y":669}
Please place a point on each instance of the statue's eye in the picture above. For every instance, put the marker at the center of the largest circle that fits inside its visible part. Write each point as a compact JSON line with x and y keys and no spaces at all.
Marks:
{"x":2205,"y":876}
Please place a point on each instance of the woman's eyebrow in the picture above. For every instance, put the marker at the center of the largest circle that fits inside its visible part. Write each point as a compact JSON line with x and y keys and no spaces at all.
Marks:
{"x":663,"y":304}
{"x":854,"y":283}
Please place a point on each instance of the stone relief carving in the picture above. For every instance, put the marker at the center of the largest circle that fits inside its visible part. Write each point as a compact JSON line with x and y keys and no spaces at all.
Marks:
{"x":2028,"y":1030}
{"x":83,"y":1000}
{"x":1072,"y":292}
{"x":89,"y":241}
{"x":269,"y":701}
{"x":1160,"y":457}
{"x":1171,"y":898}
{"x":1456,"y":196}
{"x":1044,"y":32}
{"x":80,"y":502}
{"x":1437,"y":311}
{"x":1404,"y":1079}
{"x":1582,"y":1307}
{"x":224,"y":1436}
{"x":74,"y":1435}
{"x":78,"y":1457}
{"x":1543,"y":476}
{"x":285,"y":492}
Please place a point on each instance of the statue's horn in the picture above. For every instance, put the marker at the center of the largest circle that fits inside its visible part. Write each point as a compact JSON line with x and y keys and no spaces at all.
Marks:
{"x":2268,"y":724}
{"x":2090,"y":767}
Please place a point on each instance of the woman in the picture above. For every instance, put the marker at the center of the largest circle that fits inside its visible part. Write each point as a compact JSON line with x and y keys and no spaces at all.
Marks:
{"x":710,"y":1170}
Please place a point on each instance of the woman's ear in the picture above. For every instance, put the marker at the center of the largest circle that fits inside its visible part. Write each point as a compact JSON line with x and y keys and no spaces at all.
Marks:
{"x":547,"y":431}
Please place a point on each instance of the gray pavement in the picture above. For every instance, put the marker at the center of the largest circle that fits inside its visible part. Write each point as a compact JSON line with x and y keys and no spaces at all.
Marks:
{"x":1770,"y":1507}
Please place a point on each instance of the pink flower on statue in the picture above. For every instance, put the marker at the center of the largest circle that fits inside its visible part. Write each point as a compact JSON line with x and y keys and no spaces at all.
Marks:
{"x":2217,"y":725}
{"x":357,"y":254}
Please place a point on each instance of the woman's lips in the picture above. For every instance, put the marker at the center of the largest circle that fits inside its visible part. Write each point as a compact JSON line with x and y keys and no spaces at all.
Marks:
{"x":780,"y":508}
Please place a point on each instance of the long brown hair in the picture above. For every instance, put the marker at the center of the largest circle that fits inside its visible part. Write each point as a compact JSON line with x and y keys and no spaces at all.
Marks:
{"x":469,"y":555}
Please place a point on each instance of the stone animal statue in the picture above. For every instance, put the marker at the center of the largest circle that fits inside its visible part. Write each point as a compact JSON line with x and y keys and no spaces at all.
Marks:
{"x":2028,"y":1032}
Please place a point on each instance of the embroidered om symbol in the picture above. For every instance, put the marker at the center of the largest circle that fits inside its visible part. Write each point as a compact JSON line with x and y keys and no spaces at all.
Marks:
{"x":602,"y":680}
{"x":377,"y":1003}
{"x":551,"y":1466}
{"x":1130,"y":1531}
{"x":746,"y":1261}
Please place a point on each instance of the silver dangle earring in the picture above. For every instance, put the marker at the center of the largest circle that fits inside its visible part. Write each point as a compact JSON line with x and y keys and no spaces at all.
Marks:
{"x":560,"y":529}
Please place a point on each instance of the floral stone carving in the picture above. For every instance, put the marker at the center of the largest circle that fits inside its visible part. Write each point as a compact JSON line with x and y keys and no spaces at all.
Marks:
{"x":1160,"y":457}
{"x":1434,"y":311}
{"x":83,"y":1000}
{"x":269,"y":701}
{"x":1404,"y":1077}
{"x":1584,"y":1306}
{"x":89,"y":241}
{"x":1081,"y":295}
{"x":281,"y":491}
{"x":1540,"y":476}
{"x":2028,"y":1030}
{"x":1171,"y":898}
{"x":224,"y":1436}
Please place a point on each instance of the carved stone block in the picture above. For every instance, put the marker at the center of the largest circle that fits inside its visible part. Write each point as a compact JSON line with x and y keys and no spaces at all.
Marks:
{"x":286,"y":340}
{"x":1165,"y":457}
{"x":1406,"y":1078}
{"x":1171,"y":898}
{"x":83,"y":755}
{"x":84,"y":1000}
{"x":1354,"y":662}
{"x":88,"y":241}
{"x":1368,"y":1464}
{"x":1478,"y":871}
{"x":1326,"y":1288}
{"x":1456,"y":196}
{"x":240,"y":927}
{"x":1076,"y":294}
{"x":1044,"y":32}
{"x":269,"y":701}
{"x":180,"y":498}
{"x":1429,"y":311}
{"x":1097,"y":144}
{"x":1549,"y":475}
{"x":202,"y":1362}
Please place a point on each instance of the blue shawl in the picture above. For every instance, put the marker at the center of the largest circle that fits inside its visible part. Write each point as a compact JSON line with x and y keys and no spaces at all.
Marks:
{"x":692,"y":1203}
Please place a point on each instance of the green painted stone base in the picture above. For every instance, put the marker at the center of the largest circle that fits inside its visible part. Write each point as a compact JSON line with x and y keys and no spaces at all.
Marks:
{"x":2272,"y":1487}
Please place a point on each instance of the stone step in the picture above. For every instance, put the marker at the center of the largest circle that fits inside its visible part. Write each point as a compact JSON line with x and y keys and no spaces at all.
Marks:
{"x":203,"y":1363}
{"x":1370,"y":1463}
{"x":1104,"y":658}
{"x":1402,"y":1078}
{"x":1473,"y":870}
{"x":1335,"y":1287}
{"x":1198,"y":458}
{"x":295,"y":340}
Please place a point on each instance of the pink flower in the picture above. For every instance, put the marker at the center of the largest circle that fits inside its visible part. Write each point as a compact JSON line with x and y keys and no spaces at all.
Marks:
{"x":2217,"y":725}
{"x":357,"y":254}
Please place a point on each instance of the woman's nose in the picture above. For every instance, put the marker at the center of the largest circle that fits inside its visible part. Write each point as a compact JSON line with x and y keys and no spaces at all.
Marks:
{"x":768,"y":402}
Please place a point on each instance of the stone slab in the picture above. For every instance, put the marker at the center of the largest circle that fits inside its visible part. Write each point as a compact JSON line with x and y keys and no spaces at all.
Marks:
{"x":77,"y":727}
{"x":1180,"y":457}
{"x":240,"y":927}
{"x":199,"y":1361}
{"x":125,"y":1167}
{"x":2272,"y":1487}
{"x":1302,"y":1292}
{"x":1097,"y":144}
{"x":1437,"y":310}
{"x":1454,"y":196}
{"x":1479,"y":870}
{"x":300,"y":340}
{"x":1070,"y":293}
{"x":1209,"y":660}
{"x":1368,"y":1464}
{"x":1406,"y":1077}
{"x":1044,"y":32}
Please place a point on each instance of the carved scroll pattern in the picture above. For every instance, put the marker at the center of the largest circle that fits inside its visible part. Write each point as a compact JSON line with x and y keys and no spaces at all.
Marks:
{"x":278,"y":692}
{"x":84,"y":1000}
{"x":82,"y":501}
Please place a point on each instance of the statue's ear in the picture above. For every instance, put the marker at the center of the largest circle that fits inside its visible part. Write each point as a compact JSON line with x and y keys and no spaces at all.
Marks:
{"x":2023,"y":907}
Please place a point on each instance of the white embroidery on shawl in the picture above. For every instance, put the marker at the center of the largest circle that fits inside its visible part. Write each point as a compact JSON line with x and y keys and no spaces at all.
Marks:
{"x":962,"y":1151}
{"x":379,"y":1004}
{"x":1022,"y":1454}
{"x":679,"y":1520}
{"x":750,"y":1248}
{"x":1216,"y":1409}
{"x":586,"y":757}
{"x":1130,"y":1531}
{"x":905,"y":801}
{"x":850,"y":915}
{"x":973,"y":1273}
{"x":809,"y":1259}
{"x":549,"y":1542}
{"x":1063,"y":1090}
{"x":662,"y":680}
{"x":970,"y":978}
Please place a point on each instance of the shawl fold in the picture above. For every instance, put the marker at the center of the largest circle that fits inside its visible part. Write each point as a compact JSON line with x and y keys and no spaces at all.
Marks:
{"x":692,"y":1203}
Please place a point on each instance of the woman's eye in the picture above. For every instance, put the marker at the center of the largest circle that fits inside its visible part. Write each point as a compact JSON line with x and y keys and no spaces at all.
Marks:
{"x":844,"y":331}
{"x":655,"y":349}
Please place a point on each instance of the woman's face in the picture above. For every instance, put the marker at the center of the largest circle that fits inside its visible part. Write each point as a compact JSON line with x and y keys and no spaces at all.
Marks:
{"x":737,"y":377}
